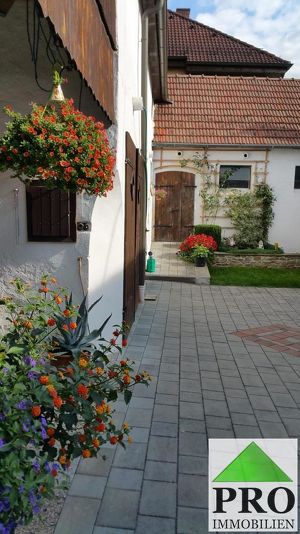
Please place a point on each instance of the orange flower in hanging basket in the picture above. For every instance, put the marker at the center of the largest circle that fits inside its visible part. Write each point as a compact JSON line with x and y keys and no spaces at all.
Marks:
{"x":59,"y":145}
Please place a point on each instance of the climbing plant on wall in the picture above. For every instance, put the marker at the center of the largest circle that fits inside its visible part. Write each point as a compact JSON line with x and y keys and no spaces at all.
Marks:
{"x":265,"y":194}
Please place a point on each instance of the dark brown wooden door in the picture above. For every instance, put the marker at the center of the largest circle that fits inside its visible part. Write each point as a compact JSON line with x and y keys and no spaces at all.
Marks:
{"x":130,"y":233}
{"x":174,"y":205}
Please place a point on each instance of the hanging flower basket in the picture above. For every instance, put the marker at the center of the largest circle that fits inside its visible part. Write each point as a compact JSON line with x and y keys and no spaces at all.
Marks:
{"x":59,"y":145}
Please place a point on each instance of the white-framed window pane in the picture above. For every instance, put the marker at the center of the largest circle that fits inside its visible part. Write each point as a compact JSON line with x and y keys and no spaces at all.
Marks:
{"x":235,"y":176}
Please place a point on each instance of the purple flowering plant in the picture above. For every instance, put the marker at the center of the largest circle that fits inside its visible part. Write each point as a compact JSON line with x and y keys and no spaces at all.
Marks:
{"x":49,"y":413}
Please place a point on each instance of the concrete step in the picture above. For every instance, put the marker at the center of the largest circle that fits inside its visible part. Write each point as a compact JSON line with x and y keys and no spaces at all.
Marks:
{"x":171,"y":268}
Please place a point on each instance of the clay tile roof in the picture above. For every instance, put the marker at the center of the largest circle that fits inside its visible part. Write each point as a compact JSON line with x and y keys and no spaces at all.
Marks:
{"x":213,"y":110}
{"x":201,"y":44}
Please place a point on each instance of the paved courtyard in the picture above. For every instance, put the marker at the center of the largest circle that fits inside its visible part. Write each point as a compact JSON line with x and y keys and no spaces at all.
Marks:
{"x":208,"y":382}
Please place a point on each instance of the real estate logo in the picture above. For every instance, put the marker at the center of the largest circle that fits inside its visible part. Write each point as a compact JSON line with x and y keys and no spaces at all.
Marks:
{"x":253,"y":485}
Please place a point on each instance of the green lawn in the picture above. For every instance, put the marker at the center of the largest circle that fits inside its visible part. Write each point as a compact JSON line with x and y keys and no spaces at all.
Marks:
{"x":254,"y":276}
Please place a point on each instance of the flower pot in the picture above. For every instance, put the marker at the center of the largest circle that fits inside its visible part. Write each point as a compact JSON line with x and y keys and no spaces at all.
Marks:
{"x":200,"y":261}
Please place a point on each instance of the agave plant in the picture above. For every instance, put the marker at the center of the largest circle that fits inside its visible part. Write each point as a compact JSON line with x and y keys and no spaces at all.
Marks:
{"x":74,"y":341}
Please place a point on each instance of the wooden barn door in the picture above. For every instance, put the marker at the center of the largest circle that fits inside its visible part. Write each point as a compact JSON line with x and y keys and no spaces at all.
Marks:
{"x":174,"y":205}
{"x":134,"y":247}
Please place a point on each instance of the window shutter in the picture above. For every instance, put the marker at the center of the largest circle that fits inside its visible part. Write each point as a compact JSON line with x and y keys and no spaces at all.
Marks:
{"x":297,"y":178}
{"x":51,"y":214}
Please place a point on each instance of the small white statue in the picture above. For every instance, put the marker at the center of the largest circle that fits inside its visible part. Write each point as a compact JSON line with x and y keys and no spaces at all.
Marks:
{"x":231,"y":242}
{"x":260,"y":244}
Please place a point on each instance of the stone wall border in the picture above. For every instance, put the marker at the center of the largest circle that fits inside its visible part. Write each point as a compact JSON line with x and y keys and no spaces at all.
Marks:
{"x":225,"y":259}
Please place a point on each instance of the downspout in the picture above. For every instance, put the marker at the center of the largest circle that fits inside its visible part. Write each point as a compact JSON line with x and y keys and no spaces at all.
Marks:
{"x":144,"y":119}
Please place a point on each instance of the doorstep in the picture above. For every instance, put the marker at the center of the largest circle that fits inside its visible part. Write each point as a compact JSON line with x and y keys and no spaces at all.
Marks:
{"x":170,"y":267}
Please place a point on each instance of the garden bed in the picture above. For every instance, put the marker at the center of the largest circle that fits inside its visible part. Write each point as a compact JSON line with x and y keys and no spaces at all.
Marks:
{"x":267,"y":259}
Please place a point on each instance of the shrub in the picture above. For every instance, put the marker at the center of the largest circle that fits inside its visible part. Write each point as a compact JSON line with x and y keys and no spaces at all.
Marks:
{"x":244,"y":210}
{"x":210,"y":229}
{"x":56,"y":396}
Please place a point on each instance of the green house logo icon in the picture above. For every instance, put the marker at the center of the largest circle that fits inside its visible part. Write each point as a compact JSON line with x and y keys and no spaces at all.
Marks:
{"x":252,"y":465}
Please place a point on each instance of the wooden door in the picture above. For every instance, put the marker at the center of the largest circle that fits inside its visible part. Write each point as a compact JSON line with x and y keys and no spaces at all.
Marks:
{"x":135,"y":228}
{"x":130,"y":233}
{"x":174,"y":205}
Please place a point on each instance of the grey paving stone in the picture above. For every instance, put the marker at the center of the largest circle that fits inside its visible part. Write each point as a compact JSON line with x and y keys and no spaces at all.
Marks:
{"x":192,"y":425}
{"x":162,"y":398}
{"x":88,"y":486}
{"x":139,"y":417}
{"x":216,"y":408}
{"x":243,"y":419}
{"x":212,"y":384}
{"x":164,"y":413}
{"x":130,"y":479}
{"x":164,"y":429}
{"x":262,"y":403}
{"x":253,"y":390}
{"x":236,"y":394}
{"x":213,"y":395}
{"x":139,"y":435}
{"x":158,"y":499}
{"x":191,"y":410}
{"x":118,"y":509}
{"x":141,"y":402}
{"x":243,"y":431}
{"x":263,"y":415}
{"x":162,"y":449}
{"x":239,"y":406}
{"x":192,"y":465}
{"x":232,"y":382}
{"x":190,"y":385}
{"x":155,"y":525}
{"x":97,"y":466}
{"x":190,"y":396}
{"x":289,"y":413}
{"x":219,"y":433}
{"x":283,"y":399}
{"x":73,"y":520}
{"x":141,"y":391}
{"x":192,"y":491}
{"x":168,"y":387}
{"x":252,"y":380}
{"x":218,"y":422}
{"x":293,"y":427}
{"x":161,"y":471}
{"x":132,"y":457}
{"x":192,"y":443}
{"x":271,"y":378}
{"x":272,"y":430}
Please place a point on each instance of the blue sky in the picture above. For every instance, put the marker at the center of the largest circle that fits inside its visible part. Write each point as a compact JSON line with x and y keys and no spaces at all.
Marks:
{"x":269,"y":24}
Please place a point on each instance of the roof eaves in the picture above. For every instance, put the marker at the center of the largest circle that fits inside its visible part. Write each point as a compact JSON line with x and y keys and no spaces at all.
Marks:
{"x":270,"y":146}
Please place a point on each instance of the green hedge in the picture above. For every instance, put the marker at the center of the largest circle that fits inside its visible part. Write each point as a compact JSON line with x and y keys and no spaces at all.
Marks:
{"x":210,"y":229}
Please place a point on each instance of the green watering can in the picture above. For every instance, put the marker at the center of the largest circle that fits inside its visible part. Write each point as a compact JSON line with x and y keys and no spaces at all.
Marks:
{"x":151,"y":263}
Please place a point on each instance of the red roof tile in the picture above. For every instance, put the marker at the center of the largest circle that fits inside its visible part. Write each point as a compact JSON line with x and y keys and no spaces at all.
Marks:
{"x":202,"y":44}
{"x":212,"y":110}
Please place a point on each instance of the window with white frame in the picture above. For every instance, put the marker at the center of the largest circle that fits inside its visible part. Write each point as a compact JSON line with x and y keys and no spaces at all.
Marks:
{"x":238,"y":176}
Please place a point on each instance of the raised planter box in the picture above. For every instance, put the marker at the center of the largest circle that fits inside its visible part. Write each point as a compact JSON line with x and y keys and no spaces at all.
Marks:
{"x":225,"y":259}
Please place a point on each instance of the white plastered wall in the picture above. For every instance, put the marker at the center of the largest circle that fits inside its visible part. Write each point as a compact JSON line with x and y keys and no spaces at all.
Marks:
{"x":101,"y":251}
{"x":276,"y":167}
